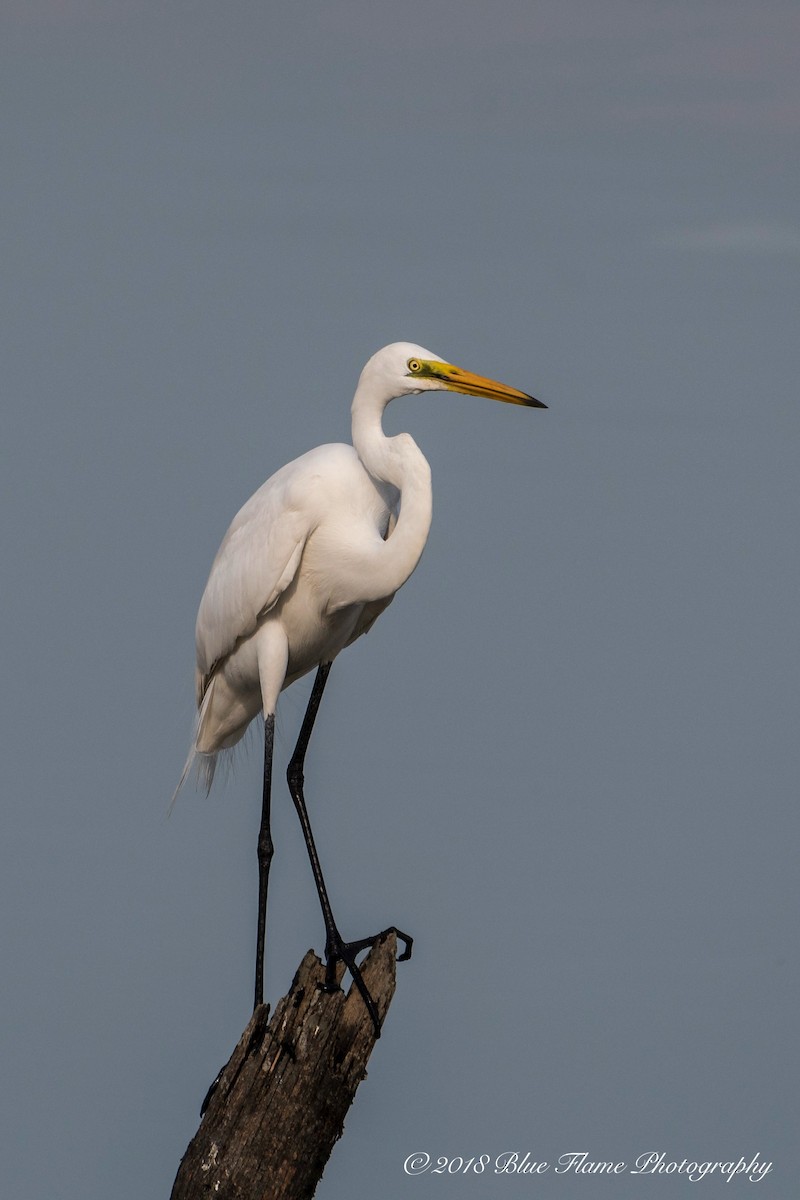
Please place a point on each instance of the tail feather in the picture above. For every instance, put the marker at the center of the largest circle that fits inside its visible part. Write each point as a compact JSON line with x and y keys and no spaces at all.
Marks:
{"x":204,"y":763}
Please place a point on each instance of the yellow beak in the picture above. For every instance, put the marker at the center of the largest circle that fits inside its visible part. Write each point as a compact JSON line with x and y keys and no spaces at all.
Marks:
{"x":453,"y":379}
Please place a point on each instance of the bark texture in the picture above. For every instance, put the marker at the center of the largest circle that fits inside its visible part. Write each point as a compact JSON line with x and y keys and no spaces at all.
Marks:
{"x":273,"y":1114}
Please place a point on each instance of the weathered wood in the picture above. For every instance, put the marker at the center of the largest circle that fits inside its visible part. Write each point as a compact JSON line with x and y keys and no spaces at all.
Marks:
{"x":277,"y":1108}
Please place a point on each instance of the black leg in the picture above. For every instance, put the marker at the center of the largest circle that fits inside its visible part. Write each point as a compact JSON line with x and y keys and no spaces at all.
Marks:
{"x":265,"y":850}
{"x":336,"y":949}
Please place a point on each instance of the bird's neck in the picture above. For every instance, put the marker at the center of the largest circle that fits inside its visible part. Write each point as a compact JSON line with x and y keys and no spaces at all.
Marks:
{"x":380,"y":454}
{"x":400,"y":462}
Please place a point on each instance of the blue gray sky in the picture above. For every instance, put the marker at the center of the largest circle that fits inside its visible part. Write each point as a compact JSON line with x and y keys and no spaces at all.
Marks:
{"x":566,"y":759}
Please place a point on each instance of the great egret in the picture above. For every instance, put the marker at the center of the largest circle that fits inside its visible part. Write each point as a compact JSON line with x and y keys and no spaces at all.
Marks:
{"x":306,"y":567}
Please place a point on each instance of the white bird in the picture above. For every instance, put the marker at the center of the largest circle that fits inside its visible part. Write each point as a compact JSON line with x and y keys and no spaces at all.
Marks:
{"x":306,"y":567}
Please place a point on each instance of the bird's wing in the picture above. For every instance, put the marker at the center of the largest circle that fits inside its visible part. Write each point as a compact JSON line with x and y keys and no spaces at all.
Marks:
{"x":258,"y":559}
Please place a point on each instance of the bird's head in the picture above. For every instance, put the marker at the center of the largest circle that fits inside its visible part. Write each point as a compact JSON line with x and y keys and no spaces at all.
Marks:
{"x":406,"y":369}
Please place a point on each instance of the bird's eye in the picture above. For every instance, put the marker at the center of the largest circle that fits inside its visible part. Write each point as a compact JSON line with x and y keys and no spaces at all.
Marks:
{"x":414,"y":366}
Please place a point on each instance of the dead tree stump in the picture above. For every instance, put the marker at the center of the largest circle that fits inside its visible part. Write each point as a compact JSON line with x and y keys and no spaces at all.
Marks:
{"x":275,"y":1111}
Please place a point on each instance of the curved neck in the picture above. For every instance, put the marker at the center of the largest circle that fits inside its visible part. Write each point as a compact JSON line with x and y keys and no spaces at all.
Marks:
{"x":400,"y":462}
{"x":371,"y":444}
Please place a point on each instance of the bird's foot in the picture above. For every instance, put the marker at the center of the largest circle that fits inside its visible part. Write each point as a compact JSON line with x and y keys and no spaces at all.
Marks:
{"x":337,"y":950}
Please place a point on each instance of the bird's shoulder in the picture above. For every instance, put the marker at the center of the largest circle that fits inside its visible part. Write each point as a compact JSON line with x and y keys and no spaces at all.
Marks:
{"x":292,"y":492}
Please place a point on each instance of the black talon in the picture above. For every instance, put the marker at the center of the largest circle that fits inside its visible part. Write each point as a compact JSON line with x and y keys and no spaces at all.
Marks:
{"x":337,"y":950}
{"x":403,"y":937}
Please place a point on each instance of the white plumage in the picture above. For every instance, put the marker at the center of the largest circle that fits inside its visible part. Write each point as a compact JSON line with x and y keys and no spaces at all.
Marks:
{"x":308,"y":564}
{"x":287,"y":560}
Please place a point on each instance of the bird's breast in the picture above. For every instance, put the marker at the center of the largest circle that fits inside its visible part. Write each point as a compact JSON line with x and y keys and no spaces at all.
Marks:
{"x":317,"y":625}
